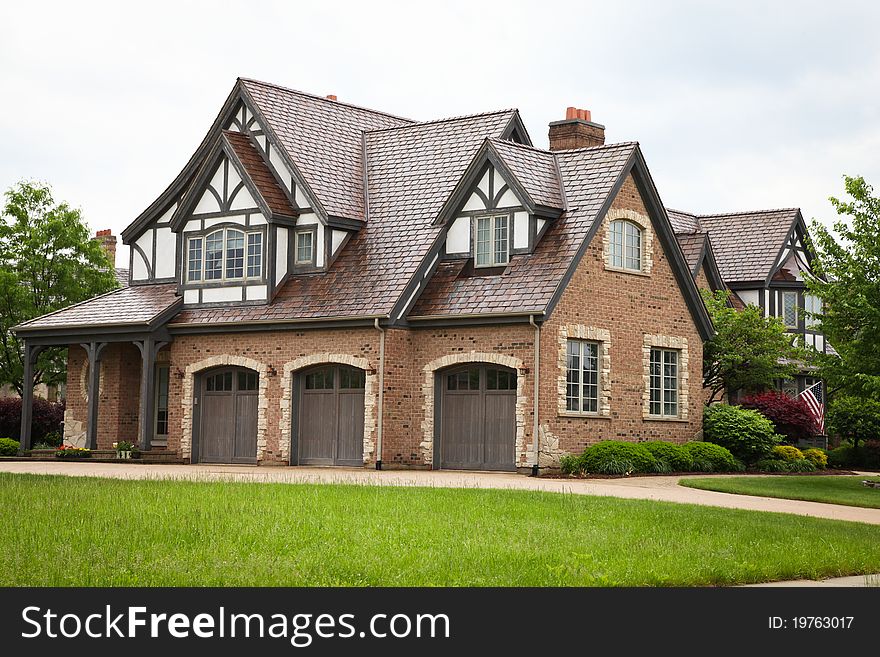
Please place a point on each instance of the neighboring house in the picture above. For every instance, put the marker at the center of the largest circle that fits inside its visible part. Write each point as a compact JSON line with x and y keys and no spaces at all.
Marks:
{"x":763,"y":257}
{"x":327,"y":284}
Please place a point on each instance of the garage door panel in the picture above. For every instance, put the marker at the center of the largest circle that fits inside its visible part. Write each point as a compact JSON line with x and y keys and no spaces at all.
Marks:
{"x":217,"y":427}
{"x":245,"y":427}
{"x":460,"y":442}
{"x":317,"y":428}
{"x":350,"y":449}
{"x":498,"y":427}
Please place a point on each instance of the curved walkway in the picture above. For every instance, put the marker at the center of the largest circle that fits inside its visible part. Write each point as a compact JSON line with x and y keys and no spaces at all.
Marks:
{"x":660,"y":488}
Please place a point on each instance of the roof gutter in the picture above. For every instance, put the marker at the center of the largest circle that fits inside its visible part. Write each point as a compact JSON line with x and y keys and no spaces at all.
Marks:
{"x":536,"y":379}
{"x":381,"y":397}
{"x":278,"y":322}
{"x":524,"y":314}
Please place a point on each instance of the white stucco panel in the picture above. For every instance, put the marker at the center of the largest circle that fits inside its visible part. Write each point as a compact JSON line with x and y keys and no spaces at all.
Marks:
{"x":281,"y":241}
{"x":280,"y":167}
{"x":520,"y":230}
{"x":166,"y":252}
{"x":319,"y":246}
{"x":508,"y":199}
{"x":143,"y":261}
{"x":458,"y":237}
{"x":256,"y":292}
{"x":207,"y":203}
{"x":337,"y":237}
{"x":217,"y":294}
{"x":190,"y":296}
{"x":243,"y":200}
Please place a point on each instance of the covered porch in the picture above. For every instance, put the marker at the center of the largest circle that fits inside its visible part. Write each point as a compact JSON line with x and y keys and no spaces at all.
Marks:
{"x":114,"y":342}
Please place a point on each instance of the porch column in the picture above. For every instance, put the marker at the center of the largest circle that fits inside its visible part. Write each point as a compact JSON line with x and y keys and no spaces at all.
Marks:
{"x":93,"y":349}
{"x":148,"y":347}
{"x":27,"y":395}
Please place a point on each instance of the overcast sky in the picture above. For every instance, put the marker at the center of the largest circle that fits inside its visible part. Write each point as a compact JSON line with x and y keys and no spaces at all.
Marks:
{"x":737,"y":105}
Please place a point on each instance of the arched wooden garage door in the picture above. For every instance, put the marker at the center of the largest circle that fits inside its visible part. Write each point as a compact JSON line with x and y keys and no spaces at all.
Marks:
{"x":228,"y":417}
{"x":330,"y":416}
{"x":477,"y":417}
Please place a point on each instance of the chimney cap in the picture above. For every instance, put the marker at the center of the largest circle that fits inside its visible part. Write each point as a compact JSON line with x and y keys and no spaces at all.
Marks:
{"x":104,"y":233}
{"x":577,"y":114}
{"x":331,"y":96}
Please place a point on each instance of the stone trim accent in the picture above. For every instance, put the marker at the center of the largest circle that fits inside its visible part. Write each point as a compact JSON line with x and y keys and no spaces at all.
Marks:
{"x":84,"y":378}
{"x":666,"y":342}
{"x":370,"y":398}
{"x":643,"y":222}
{"x":187,"y":398}
{"x":581,"y":332}
{"x":430,"y":370}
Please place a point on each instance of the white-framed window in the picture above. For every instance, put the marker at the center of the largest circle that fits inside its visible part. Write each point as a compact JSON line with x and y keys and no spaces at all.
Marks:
{"x":664,"y":377}
{"x":220,"y":255}
{"x":790,"y":309}
{"x":582,"y":376}
{"x":492,"y":240}
{"x":812,"y":306}
{"x":625,"y":245}
{"x":305,"y":247}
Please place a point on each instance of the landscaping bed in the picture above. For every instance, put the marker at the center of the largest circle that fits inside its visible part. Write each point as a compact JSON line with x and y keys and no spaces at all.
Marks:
{"x":72,"y":531}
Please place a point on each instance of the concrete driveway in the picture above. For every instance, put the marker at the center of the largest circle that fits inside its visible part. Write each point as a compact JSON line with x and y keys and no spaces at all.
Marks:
{"x":642,"y":488}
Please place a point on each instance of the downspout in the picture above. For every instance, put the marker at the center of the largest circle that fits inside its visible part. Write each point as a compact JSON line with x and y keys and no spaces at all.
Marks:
{"x":536,"y":378}
{"x":381,"y":394}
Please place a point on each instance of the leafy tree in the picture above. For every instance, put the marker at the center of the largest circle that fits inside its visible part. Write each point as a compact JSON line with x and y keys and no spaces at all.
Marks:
{"x":790,"y":415}
{"x":850,"y":290}
{"x":47,"y":261}
{"x":748,"y":352}
{"x":854,"y":418}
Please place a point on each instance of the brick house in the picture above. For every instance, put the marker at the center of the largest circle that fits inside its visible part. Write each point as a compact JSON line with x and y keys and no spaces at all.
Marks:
{"x":331,"y":285}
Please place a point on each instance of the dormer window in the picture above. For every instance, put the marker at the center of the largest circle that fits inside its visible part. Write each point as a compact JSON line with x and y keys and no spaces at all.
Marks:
{"x":625,"y":245}
{"x":492,"y":240}
{"x":304,"y":255}
{"x":220,"y":256}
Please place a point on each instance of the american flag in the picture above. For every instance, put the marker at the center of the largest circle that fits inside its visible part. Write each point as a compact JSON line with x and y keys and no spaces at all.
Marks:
{"x":817,"y":407}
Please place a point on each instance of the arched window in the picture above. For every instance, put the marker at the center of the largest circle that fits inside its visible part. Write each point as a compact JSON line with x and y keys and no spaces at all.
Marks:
{"x":625,"y":245}
{"x":224,"y":254}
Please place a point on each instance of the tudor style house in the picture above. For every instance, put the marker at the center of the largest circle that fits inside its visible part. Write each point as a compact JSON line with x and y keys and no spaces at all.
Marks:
{"x":763,"y":257}
{"x":331,"y":285}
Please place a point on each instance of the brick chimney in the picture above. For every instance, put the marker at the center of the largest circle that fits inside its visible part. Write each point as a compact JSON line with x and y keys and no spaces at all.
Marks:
{"x":576,"y":131}
{"x":108,"y":242}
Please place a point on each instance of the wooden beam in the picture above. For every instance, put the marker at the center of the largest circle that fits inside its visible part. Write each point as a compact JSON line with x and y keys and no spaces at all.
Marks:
{"x":27,"y":395}
{"x":148,"y":347}
{"x":93,"y":349}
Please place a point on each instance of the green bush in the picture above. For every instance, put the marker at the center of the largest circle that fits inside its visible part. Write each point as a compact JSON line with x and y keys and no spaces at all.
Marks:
{"x":53,"y":439}
{"x":709,"y":457}
{"x":747,"y":434}
{"x":787,"y":453}
{"x":8,"y":447}
{"x":618,"y":457}
{"x":670,"y":457}
{"x":817,"y":457}
{"x":570,"y":464}
{"x":781,"y":465}
{"x":854,"y":418}
{"x":843,"y":457}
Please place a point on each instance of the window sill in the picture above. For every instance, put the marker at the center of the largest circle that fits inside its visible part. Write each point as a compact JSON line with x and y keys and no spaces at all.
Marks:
{"x":624,"y":270}
{"x":594,"y":416}
{"x":661,"y":418}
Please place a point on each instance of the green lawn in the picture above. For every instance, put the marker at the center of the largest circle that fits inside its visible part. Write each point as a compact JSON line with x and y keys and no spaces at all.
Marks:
{"x":106,"y":532}
{"x":834,"y":489}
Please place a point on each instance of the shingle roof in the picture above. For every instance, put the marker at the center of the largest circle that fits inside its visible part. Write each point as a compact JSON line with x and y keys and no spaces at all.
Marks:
{"x":683,"y":222}
{"x":692,"y":247}
{"x":323,"y":139}
{"x":412,"y":170}
{"x":746,"y":244}
{"x":535,"y":169}
{"x":259,"y":174}
{"x":529,"y":281}
{"x":137,"y":305}
{"x":121,"y":274}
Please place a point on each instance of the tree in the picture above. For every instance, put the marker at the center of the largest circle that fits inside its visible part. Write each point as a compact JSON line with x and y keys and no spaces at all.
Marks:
{"x":748,"y":351}
{"x":849,"y":286}
{"x":47,"y":261}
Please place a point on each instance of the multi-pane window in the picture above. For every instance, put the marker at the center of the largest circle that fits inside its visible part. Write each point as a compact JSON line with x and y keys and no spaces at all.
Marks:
{"x":305,"y":247}
{"x":468,"y":379}
{"x":500,"y":379}
{"x":790,"y":309}
{"x":813,"y":307}
{"x":194,"y":258}
{"x":321,"y":379}
{"x":582,"y":377}
{"x":625,"y":245}
{"x":220,"y":255}
{"x":162,"y":400}
{"x":248,"y":380}
{"x":664,"y":382}
{"x":254,"y":255}
{"x":492,"y":241}
{"x":221,"y":382}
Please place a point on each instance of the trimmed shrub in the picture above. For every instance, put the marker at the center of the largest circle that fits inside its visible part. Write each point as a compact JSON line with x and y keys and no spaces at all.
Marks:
{"x":618,"y":457}
{"x":854,"y":418}
{"x":53,"y":439}
{"x":570,"y":464}
{"x":670,"y":457}
{"x":790,"y":415}
{"x":781,"y":465}
{"x":8,"y":447}
{"x":842,"y":458}
{"x":817,"y":457}
{"x":747,"y":434}
{"x":787,"y":453}
{"x":870,"y":454}
{"x":709,"y":457}
{"x":47,"y":418}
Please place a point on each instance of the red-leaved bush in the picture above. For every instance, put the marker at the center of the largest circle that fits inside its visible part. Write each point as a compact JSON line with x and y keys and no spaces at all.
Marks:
{"x":47,"y":417}
{"x":790,"y":415}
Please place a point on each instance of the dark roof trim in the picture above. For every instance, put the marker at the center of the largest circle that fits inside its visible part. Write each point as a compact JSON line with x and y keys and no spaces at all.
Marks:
{"x":776,"y":261}
{"x":516,"y":125}
{"x":708,"y":259}
{"x":276,"y":325}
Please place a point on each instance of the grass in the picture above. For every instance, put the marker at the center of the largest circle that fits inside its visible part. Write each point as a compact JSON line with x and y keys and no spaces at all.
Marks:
{"x":60,"y":531}
{"x":835,"y":489}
